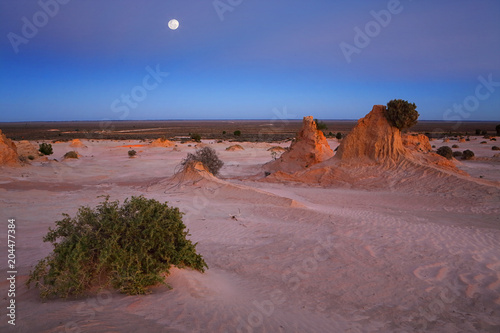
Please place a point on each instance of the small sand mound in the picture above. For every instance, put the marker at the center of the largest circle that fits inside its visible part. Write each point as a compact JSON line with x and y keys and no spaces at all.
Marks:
{"x":26,"y":148}
{"x":308,"y":148}
{"x":205,"y":186}
{"x":417,"y":142}
{"x":162,"y":142}
{"x":276,"y":149}
{"x":235,"y":148}
{"x":8,"y":152}
{"x":76,"y":143}
{"x":71,"y":155}
{"x":461,"y":140}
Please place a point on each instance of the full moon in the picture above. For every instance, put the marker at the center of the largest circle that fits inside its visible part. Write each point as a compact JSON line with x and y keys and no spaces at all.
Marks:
{"x":173,"y":24}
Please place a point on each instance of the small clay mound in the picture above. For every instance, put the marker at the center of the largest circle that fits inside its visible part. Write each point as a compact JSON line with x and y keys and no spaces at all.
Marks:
{"x":162,"y":142}
{"x":307,"y":149}
{"x":461,"y":140}
{"x":76,"y":143}
{"x":71,"y":155}
{"x":276,"y":149}
{"x":26,"y":148}
{"x":194,"y":176}
{"x":373,"y":138}
{"x":235,"y":148}
{"x":417,"y":142}
{"x":8,"y":152}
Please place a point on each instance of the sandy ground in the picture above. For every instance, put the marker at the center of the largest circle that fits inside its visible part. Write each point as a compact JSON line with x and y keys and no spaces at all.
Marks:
{"x":282,"y":257}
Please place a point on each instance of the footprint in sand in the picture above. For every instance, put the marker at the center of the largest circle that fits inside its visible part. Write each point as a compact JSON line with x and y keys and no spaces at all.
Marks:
{"x":432,"y":273}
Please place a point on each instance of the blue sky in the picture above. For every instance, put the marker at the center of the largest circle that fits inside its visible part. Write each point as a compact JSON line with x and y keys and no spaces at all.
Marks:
{"x":242,"y":59}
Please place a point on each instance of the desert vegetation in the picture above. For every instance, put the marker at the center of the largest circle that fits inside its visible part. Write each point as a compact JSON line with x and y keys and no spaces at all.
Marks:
{"x":467,"y":154}
{"x":445,"y":151}
{"x":45,"y":149}
{"x":132,"y":153}
{"x":321,"y":126}
{"x":195,"y":137}
{"x":206,"y":156}
{"x":401,"y":113}
{"x":127,"y":247}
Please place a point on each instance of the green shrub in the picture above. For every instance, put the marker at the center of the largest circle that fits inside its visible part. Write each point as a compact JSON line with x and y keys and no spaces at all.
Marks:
{"x":71,"y":154}
{"x":45,"y":149}
{"x":455,"y":146}
{"x":457,"y":154}
{"x":127,"y":247}
{"x":196,"y":137}
{"x":497,"y":128}
{"x":320,"y":125}
{"x":208,"y":157}
{"x":132,"y":153}
{"x":237,"y":133}
{"x":478,"y":131}
{"x":495,"y":148}
{"x":467,"y":154}
{"x":483,"y":142}
{"x":401,"y":113}
{"x":339,"y":136}
{"x":31,"y":157}
{"x":445,"y":151}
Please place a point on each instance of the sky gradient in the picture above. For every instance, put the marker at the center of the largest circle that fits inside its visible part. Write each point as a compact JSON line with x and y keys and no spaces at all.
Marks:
{"x":245,"y":59}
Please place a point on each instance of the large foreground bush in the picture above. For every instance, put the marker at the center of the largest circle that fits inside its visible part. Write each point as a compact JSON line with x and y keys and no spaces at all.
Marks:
{"x":127,"y":247}
{"x":208,"y":157}
{"x":401,"y":113}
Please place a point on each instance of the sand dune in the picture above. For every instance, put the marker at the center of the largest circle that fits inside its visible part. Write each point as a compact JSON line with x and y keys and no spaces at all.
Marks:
{"x":398,"y":247}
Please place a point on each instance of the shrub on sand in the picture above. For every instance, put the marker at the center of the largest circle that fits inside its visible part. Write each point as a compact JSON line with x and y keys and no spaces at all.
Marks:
{"x":196,"y":137}
{"x":445,"y":151}
{"x":45,"y":149}
{"x":467,"y":155}
{"x":457,"y":154}
{"x":132,"y":153}
{"x":128,"y":247}
{"x":208,"y":157}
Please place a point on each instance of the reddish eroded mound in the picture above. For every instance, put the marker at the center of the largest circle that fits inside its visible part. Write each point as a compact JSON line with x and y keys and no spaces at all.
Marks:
{"x":235,"y":148}
{"x":373,"y":156}
{"x":162,"y":142}
{"x":373,"y":138}
{"x":417,"y":142}
{"x":76,"y":143}
{"x":26,"y":148}
{"x":8,"y":152}
{"x":308,"y":148}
